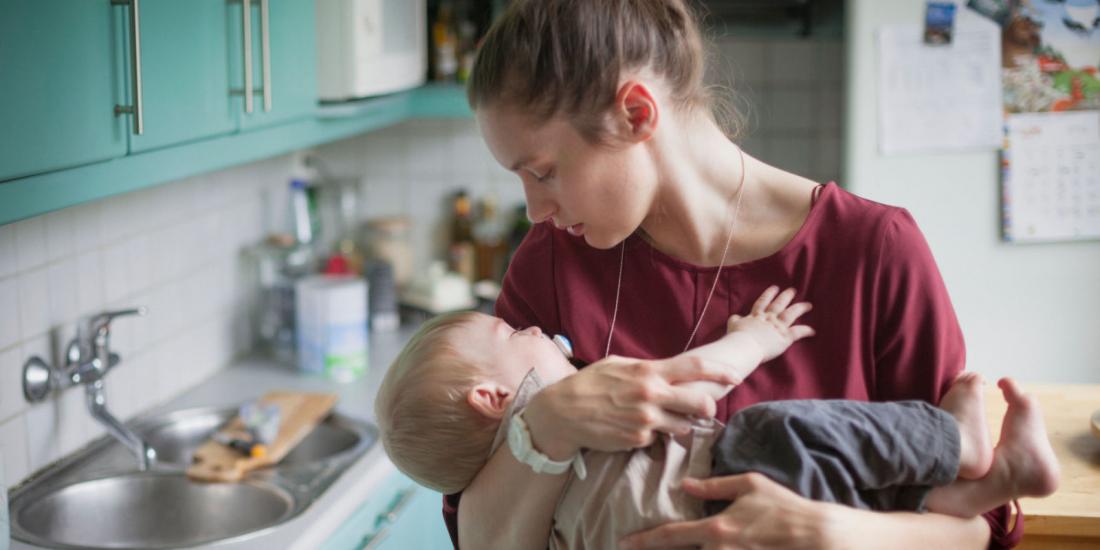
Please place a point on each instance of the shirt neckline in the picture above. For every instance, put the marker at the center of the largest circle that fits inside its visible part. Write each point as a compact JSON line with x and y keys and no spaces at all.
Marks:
{"x":826,"y":191}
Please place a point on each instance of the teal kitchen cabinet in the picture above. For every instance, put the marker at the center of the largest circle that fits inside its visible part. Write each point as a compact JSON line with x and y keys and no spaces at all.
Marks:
{"x":184,"y":72}
{"x":399,"y":515}
{"x":276,"y":61}
{"x":61,"y":67}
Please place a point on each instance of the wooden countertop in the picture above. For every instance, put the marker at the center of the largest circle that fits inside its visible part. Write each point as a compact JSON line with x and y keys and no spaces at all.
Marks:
{"x":1074,"y":510}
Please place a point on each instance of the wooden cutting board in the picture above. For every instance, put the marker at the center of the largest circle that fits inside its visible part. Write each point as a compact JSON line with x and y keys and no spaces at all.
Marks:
{"x":299,"y":413}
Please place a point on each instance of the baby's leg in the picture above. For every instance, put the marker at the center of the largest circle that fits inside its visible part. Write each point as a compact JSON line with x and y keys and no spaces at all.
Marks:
{"x":1023,"y":463}
{"x":965,"y":402}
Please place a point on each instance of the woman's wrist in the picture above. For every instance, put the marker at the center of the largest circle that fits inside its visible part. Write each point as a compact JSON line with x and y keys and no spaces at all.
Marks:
{"x":542,"y":425}
{"x":836,"y":526}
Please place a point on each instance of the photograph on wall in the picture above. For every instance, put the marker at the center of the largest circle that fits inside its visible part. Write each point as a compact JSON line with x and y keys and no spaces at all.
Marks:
{"x":1050,"y":51}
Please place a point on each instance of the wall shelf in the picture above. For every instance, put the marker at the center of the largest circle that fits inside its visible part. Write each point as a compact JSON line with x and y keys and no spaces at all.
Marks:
{"x":34,"y":195}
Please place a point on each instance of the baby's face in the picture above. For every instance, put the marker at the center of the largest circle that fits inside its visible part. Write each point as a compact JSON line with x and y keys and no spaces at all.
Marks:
{"x":511,"y":353}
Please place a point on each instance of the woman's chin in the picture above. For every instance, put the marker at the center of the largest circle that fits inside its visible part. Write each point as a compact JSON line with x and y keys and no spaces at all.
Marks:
{"x":602,"y":242}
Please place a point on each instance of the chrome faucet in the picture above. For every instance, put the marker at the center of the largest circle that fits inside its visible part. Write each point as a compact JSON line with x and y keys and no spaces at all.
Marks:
{"x":88,"y":358}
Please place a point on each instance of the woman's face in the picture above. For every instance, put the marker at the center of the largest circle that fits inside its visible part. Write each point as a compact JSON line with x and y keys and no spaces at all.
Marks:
{"x":598,"y":192}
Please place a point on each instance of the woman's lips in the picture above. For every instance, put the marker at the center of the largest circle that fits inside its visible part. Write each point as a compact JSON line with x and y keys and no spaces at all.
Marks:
{"x":576,"y":230}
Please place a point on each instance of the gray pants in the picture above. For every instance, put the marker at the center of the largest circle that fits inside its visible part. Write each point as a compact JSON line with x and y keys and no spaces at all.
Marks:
{"x":877,"y":456}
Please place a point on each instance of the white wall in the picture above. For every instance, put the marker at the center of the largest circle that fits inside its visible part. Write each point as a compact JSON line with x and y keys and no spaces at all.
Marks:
{"x":1029,"y":311}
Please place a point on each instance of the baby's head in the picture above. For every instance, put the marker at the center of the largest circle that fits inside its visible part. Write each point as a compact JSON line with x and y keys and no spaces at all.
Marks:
{"x":446,"y":393}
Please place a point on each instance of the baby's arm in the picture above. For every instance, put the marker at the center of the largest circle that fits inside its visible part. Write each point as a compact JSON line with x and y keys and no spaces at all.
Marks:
{"x":762,"y":335}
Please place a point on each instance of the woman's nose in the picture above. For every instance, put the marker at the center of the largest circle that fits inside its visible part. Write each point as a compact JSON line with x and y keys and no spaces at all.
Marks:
{"x":540,"y":207}
{"x":533,"y":331}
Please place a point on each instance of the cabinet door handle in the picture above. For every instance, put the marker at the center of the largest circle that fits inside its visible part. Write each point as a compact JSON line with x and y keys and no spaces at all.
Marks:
{"x":385,"y":519}
{"x":374,"y":539}
{"x":246,"y":18}
{"x":135,"y":66}
{"x":265,"y":51}
{"x":399,"y":503}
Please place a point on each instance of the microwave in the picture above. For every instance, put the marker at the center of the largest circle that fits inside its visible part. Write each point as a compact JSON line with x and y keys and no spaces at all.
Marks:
{"x":370,"y":47}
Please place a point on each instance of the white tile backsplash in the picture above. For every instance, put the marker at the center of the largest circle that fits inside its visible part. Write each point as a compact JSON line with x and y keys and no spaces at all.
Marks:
{"x":11,"y":391}
{"x":13,"y":447}
{"x":9,"y":311}
{"x":59,"y":234}
{"x":30,"y":243}
{"x":86,"y":230}
{"x":34,"y":302}
{"x":116,"y":271}
{"x":9,"y":258}
{"x":89,"y":281}
{"x":61,"y":280}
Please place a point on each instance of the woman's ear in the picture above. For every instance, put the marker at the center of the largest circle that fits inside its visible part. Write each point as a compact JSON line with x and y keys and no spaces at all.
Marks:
{"x":489,"y":399}
{"x":636,"y":112}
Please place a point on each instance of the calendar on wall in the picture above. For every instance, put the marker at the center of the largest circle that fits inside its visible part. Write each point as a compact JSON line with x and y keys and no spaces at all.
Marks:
{"x":1051,"y":176}
{"x":1050,"y":75}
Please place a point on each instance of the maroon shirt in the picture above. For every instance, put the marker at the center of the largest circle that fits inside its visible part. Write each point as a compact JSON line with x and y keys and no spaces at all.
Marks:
{"x":885,"y":326}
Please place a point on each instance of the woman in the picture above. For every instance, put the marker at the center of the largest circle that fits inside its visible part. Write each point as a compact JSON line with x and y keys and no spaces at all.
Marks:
{"x":652,"y":228}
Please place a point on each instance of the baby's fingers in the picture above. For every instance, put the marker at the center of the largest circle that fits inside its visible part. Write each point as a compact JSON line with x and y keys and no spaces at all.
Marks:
{"x":799,"y":332}
{"x":791,"y":314}
{"x":765,"y":299}
{"x":782,"y":301}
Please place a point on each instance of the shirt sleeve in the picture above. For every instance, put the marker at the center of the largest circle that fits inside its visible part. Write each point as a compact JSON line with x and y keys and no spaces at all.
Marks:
{"x":918,"y":344}
{"x":526,"y":299}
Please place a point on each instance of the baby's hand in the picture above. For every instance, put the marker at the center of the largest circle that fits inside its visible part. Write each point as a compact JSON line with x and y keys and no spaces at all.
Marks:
{"x":771,"y":322}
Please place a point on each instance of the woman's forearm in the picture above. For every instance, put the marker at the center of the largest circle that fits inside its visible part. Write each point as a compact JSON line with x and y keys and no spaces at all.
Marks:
{"x":508,"y":505}
{"x":858,"y":529}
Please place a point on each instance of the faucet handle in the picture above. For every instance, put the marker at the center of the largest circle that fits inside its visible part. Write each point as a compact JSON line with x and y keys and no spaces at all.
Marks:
{"x":102,"y":321}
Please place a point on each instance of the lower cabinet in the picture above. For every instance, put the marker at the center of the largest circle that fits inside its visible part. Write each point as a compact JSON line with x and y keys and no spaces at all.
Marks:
{"x":399,"y":515}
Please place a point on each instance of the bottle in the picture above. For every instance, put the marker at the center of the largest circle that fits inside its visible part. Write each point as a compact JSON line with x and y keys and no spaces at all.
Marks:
{"x":445,"y":44}
{"x":462,"y":250}
{"x":467,"y":48}
{"x":388,"y":240}
{"x":489,"y":233}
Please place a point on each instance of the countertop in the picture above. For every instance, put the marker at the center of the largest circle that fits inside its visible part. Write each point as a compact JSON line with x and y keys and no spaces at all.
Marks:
{"x":251,"y":377}
{"x":1073,"y":511}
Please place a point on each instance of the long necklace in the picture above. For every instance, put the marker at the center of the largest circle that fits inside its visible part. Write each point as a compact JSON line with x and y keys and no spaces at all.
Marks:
{"x":717,"y":274}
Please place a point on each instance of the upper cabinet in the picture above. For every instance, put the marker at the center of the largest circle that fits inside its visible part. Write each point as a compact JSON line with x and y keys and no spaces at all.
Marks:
{"x":184,"y":71}
{"x":273,"y":53}
{"x":60,"y":69}
{"x":88,"y":80}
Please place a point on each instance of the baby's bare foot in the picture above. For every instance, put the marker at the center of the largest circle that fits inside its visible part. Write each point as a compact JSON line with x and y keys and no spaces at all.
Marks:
{"x":965,"y":402}
{"x":1024,"y":453}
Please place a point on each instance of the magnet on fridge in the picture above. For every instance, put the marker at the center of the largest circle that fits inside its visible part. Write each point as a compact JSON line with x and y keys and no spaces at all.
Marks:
{"x":939,"y":22}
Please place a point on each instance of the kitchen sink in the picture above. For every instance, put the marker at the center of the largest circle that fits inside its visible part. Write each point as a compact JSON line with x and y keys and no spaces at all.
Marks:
{"x":177,"y":435}
{"x":152,"y":510}
{"x":96,"y":498}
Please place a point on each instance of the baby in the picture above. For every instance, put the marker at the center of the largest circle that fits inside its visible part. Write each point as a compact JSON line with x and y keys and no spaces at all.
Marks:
{"x":449,"y":398}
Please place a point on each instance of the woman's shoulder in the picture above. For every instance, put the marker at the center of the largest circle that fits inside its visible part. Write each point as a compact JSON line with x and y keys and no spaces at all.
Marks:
{"x":849,"y":218}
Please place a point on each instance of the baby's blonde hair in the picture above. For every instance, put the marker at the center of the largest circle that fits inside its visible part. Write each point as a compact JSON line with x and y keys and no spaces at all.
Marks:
{"x":428,"y":428}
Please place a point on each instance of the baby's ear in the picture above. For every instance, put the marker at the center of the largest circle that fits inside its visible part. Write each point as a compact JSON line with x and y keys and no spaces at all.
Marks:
{"x":489,"y":399}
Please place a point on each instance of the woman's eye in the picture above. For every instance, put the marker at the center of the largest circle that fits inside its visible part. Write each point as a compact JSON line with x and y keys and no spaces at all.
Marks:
{"x":545,"y":177}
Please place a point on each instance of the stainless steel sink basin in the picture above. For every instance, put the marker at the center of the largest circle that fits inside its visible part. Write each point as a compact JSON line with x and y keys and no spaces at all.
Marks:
{"x":96,"y":498}
{"x":177,"y":435}
{"x":151,"y":510}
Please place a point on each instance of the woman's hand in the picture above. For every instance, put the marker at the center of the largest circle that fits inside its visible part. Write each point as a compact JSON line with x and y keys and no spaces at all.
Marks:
{"x":763,"y":515}
{"x":617,"y":404}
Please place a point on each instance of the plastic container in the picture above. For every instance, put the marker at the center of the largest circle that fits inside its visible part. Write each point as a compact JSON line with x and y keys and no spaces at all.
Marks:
{"x":332,"y":326}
